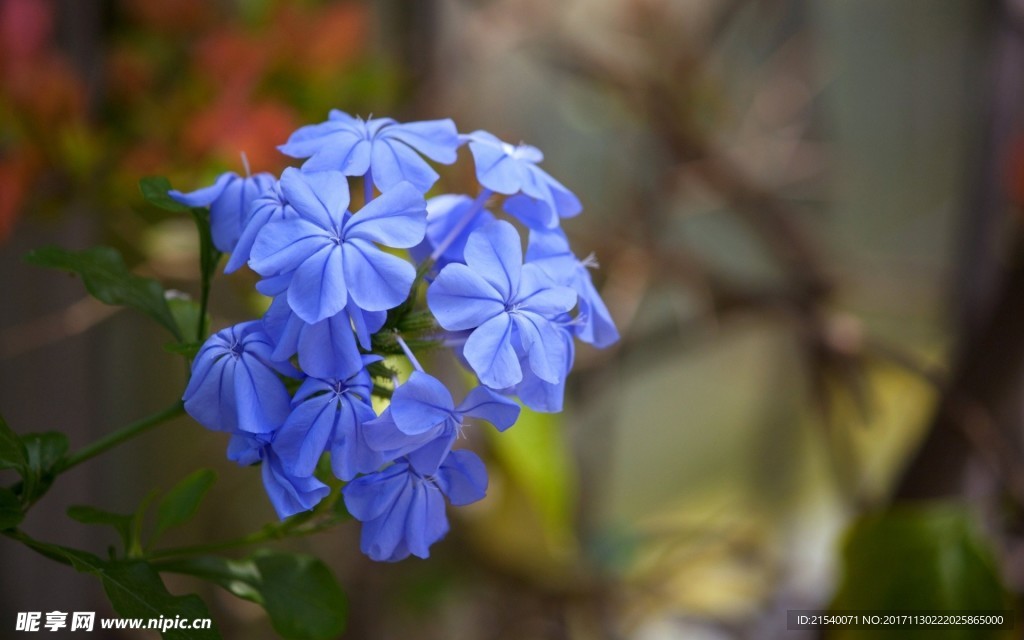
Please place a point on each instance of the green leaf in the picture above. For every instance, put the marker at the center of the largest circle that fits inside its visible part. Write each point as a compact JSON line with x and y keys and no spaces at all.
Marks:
{"x":301,"y":596}
{"x":10,"y":509}
{"x":135,"y":590}
{"x":134,"y":547}
{"x":154,"y":189}
{"x":12,"y":451}
{"x":919,"y":558}
{"x":122,"y":523}
{"x":298,"y":592}
{"x":181,"y":502}
{"x":42,"y":453}
{"x":107,"y":278}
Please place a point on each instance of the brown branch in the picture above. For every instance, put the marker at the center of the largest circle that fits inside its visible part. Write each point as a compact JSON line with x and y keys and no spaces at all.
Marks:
{"x":665,"y":103}
{"x":986,"y":379}
{"x":988,"y":374}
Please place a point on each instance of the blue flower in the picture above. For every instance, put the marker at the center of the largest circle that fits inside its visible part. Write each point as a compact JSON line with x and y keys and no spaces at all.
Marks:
{"x":403,"y":511}
{"x":327,"y":255}
{"x":327,"y":349}
{"x":272,"y":205}
{"x":511,"y":308}
{"x":539,"y":394}
{"x":330,"y":415}
{"x":229,"y":199}
{"x":444,"y":212}
{"x":423,"y":422}
{"x":383,"y":148}
{"x":539,"y":199}
{"x":234,"y":386}
{"x":290,"y":494}
{"x":550,"y":251}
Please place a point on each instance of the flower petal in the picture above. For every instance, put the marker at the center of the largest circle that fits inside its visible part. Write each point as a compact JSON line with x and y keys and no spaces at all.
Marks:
{"x":290,"y":494}
{"x":539,"y":395}
{"x":269,"y":206}
{"x":426,"y":458}
{"x":443,"y":213}
{"x":377,"y":280}
{"x":397,"y":219}
{"x":549,"y":250}
{"x":246,"y":449}
{"x":384,"y":538}
{"x":305,"y":435}
{"x":263,"y":401}
{"x":366,"y":323}
{"x":539,"y":294}
{"x":597,"y":328}
{"x":488,"y":350}
{"x":461,"y":299}
{"x":274,"y":286}
{"x":283,"y":327}
{"x":210,"y":396}
{"x":351,"y":453}
{"x":383,"y":435}
{"x":204,"y":197}
{"x":285,"y":245}
{"x":309,"y":139}
{"x":436,"y":139}
{"x":327,"y":349}
{"x":393,"y":163}
{"x":351,"y":160}
{"x":545,"y":396}
{"x":545,"y":346}
{"x":426,"y":522}
{"x":463,"y":478}
{"x":495,"y":169}
{"x":486,"y":404}
{"x":494,"y":252}
{"x":318,"y":287}
{"x":369,"y":497}
{"x":532,"y":212}
{"x":566,"y":203}
{"x":321,"y":198}
{"x":421,"y":404}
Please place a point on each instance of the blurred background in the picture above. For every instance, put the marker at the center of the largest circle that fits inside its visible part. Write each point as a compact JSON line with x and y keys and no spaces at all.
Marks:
{"x":807,"y":215}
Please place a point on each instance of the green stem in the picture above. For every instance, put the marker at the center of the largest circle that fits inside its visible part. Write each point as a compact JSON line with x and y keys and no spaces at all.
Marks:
{"x":200,"y":549}
{"x":256,"y":537}
{"x":42,"y":548}
{"x":204,"y":296}
{"x":111,"y":440}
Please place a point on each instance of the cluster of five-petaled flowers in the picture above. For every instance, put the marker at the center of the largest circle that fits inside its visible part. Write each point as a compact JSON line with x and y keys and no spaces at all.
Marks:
{"x":334,"y":275}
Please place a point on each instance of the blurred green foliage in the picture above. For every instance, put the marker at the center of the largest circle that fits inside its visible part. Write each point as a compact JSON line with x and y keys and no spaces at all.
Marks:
{"x":924,"y":558}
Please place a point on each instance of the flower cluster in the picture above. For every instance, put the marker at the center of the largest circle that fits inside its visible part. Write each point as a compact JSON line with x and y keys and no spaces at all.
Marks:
{"x":299,"y":382}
